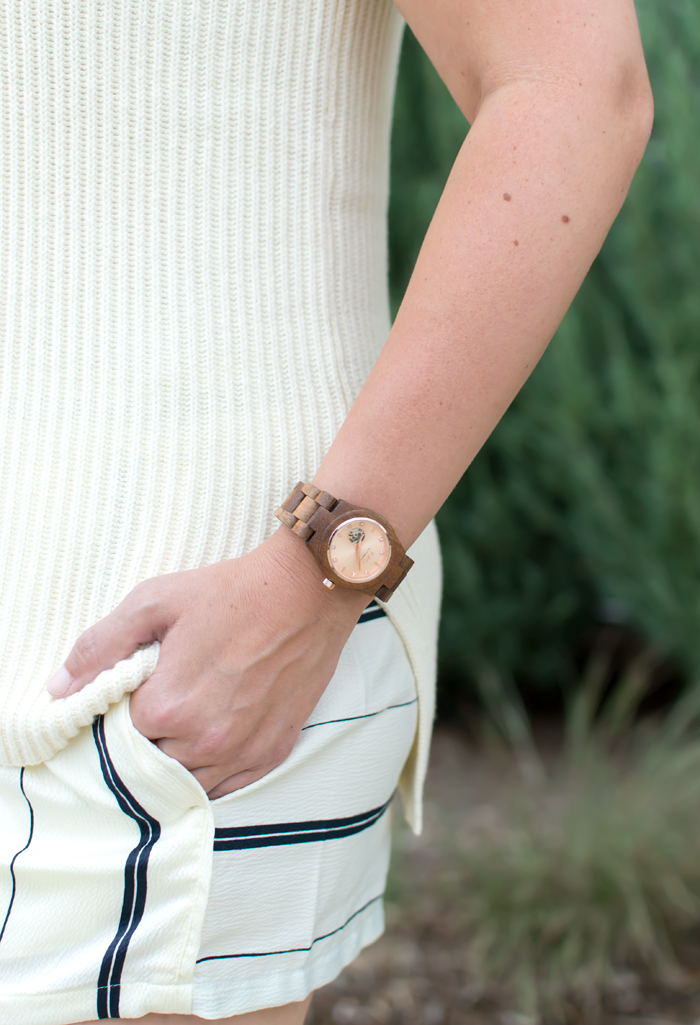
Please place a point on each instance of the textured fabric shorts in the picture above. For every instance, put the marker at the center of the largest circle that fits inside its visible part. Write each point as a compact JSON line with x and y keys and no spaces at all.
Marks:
{"x":124,"y":890}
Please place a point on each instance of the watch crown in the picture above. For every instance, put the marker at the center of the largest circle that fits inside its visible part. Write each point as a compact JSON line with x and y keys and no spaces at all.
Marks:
{"x":328,"y":583}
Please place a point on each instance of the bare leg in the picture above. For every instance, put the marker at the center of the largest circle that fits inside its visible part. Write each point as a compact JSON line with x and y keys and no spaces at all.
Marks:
{"x":289,"y":1014}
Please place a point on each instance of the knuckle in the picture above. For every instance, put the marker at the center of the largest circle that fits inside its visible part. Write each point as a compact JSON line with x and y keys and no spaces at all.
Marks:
{"x":86,"y":653}
{"x":158,"y":722}
{"x":163,"y":718}
{"x":158,"y":713}
{"x":145,"y":596}
{"x":211,"y":743}
{"x":138,"y":591}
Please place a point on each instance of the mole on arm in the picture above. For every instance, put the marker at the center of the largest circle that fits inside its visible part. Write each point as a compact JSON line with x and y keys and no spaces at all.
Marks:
{"x":565,"y":219}
{"x":507,"y":197}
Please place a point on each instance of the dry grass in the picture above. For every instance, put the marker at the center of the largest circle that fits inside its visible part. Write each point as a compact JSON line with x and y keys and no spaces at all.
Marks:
{"x":594,"y":865}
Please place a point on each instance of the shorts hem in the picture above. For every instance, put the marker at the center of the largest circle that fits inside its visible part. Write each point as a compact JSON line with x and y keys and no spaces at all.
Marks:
{"x":219,"y":999}
{"x":79,"y":1005}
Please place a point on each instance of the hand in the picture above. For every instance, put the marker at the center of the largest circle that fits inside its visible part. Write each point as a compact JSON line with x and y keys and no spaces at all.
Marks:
{"x":247,"y":648}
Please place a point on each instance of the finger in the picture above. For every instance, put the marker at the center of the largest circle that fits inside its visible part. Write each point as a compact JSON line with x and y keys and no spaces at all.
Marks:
{"x":212,"y":777}
{"x":235,"y":782}
{"x":209,"y":778}
{"x":139,"y":619}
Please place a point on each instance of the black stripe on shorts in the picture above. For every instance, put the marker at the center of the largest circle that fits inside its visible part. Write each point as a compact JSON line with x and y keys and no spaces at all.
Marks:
{"x":135,"y":880}
{"x":294,"y":950}
{"x":373,"y":611}
{"x":238,"y":838}
{"x":21,"y":851}
{"x":365,"y":715}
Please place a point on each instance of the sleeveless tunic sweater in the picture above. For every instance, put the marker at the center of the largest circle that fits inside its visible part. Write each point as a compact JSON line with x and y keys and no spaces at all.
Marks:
{"x":193,"y":288}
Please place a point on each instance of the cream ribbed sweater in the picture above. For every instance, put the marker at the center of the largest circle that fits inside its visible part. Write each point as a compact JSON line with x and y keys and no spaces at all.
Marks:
{"x":192,"y":292}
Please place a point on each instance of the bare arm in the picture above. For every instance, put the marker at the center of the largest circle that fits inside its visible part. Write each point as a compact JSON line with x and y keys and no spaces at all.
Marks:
{"x":560,"y":107}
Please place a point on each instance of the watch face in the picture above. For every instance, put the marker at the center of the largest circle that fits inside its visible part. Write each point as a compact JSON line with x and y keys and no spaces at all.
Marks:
{"x":359,"y":549}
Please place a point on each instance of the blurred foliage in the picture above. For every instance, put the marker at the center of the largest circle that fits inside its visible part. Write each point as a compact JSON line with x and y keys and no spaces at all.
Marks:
{"x":584,"y":506}
{"x":592,"y":867}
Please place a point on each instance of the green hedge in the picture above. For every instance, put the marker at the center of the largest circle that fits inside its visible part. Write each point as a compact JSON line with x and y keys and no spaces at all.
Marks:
{"x":585,"y":503}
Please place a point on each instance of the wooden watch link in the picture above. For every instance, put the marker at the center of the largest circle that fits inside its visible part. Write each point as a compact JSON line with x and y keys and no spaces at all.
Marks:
{"x":355,"y":548}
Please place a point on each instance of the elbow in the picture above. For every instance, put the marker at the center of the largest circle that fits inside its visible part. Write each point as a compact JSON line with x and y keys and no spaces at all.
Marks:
{"x":640,"y":121}
{"x":644,"y":106}
{"x":631,"y":105}
{"x":645,"y":116}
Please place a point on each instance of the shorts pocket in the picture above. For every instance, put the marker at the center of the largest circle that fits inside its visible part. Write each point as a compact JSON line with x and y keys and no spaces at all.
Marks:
{"x":148,"y":770}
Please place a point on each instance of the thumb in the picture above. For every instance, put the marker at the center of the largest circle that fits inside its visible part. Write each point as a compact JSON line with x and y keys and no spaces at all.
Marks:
{"x":139,"y":619}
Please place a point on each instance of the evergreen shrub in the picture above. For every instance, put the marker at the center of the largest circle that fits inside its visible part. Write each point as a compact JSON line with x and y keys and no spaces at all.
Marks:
{"x":584,"y":505}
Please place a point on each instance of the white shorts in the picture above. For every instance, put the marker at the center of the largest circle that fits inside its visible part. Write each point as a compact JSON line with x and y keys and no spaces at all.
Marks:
{"x":123,"y":890}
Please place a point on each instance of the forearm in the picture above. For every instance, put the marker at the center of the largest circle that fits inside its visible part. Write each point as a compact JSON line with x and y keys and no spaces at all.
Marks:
{"x":535,"y":188}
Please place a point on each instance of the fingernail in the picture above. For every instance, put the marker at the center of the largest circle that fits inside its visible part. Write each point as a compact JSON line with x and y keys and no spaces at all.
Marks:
{"x":59,"y":682}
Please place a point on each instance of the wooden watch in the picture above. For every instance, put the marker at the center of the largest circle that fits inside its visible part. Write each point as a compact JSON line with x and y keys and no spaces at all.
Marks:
{"x":355,"y":548}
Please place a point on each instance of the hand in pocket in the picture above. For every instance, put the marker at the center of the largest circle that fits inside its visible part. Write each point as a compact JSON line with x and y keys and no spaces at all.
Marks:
{"x":247,"y":648}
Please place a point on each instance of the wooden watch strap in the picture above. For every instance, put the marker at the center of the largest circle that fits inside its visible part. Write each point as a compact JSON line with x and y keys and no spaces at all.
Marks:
{"x":385,"y":591}
{"x":300,"y":511}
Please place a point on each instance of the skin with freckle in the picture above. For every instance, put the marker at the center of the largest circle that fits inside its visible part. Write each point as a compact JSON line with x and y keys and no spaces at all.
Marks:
{"x":485,"y":315}
{"x":565,"y":219}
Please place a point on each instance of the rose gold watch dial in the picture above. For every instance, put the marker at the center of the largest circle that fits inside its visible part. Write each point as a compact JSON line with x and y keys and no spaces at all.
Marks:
{"x":359,"y":550}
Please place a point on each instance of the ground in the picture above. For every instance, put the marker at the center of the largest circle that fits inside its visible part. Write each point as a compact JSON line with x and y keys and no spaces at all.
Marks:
{"x":419,"y":972}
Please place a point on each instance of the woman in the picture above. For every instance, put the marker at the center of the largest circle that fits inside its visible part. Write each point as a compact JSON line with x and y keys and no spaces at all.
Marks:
{"x":194,"y":319}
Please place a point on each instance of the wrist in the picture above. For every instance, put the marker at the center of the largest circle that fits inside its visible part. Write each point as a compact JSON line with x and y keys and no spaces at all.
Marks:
{"x":291,"y":554}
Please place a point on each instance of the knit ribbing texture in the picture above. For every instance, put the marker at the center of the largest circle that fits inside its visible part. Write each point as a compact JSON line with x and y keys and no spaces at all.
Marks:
{"x":193,"y":288}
